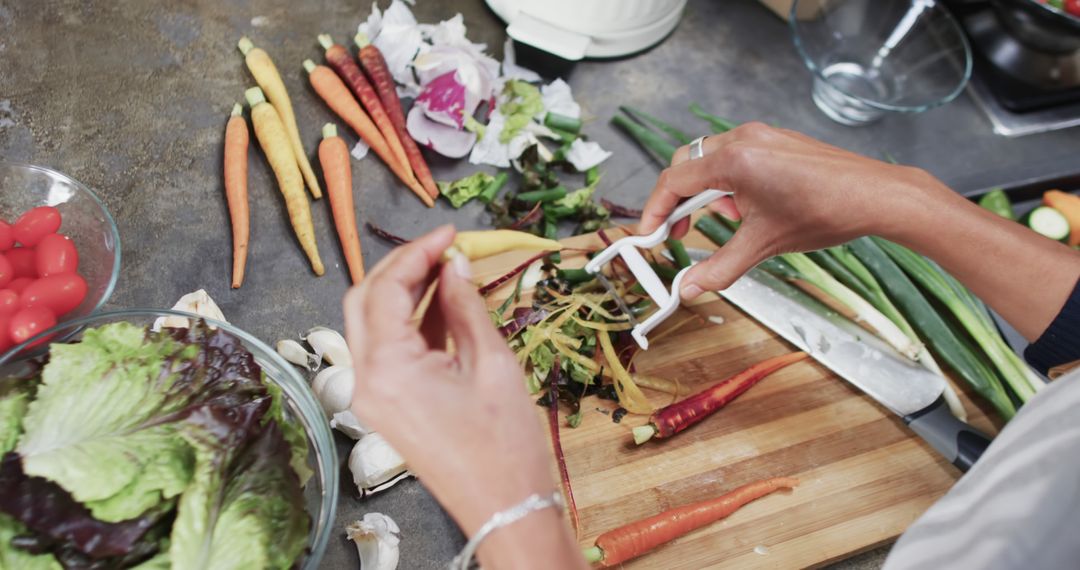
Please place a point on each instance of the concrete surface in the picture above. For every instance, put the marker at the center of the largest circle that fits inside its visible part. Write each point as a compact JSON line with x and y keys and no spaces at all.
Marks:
{"x":131,"y":97}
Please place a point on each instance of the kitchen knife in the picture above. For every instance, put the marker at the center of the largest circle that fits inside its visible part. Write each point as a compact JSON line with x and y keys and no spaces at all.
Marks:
{"x":905,"y":388}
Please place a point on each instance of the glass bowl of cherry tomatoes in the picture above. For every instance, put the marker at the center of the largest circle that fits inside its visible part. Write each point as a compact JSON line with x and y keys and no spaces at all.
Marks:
{"x":59,"y":251}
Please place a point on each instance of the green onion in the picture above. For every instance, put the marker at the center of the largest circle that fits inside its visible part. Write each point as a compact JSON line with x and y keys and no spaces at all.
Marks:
{"x":971,"y":314}
{"x":574,"y":275}
{"x":678,"y":253}
{"x":660,"y":149}
{"x":719,"y":124}
{"x":641,"y":116}
{"x":969,"y":364}
{"x":592,"y":176}
{"x":551,"y":231}
{"x":665,"y":272}
{"x":492,"y":189}
{"x":547,"y":195}
{"x":558,"y":122}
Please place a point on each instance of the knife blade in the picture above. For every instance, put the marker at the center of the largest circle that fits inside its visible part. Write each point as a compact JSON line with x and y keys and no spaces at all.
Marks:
{"x":900,"y":385}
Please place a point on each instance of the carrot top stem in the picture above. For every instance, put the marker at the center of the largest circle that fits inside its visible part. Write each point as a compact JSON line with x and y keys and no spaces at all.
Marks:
{"x":361,"y":40}
{"x":245,"y":45}
{"x":237,"y":110}
{"x":644,"y":433}
{"x":329,"y":131}
{"x":593,"y":554}
{"x":326,"y":41}
{"x":309,"y":66}
{"x":254,"y":96}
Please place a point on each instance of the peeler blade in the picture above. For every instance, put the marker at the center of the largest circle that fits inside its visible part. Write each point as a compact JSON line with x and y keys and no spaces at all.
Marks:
{"x":618,"y":298}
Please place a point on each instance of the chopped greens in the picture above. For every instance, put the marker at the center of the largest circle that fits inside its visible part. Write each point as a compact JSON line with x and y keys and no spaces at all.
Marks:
{"x":461,"y":191}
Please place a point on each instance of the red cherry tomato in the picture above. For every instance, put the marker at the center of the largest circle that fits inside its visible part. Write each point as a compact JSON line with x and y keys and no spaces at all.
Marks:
{"x":55,"y":253}
{"x":7,"y":272}
{"x":59,"y":293}
{"x":5,"y":333}
{"x":9,"y":303}
{"x":23,"y":262}
{"x":19,"y":284}
{"x":29,"y":322}
{"x":35,"y":224}
{"x":1072,"y":7}
{"x":7,"y":236}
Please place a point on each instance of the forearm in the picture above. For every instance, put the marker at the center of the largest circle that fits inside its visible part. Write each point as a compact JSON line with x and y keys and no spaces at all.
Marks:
{"x":539,"y":541}
{"x":1023,"y":276}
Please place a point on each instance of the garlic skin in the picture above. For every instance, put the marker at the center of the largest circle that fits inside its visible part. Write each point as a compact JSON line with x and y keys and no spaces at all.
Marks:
{"x":345,"y":422}
{"x":198,"y":302}
{"x":329,"y":345}
{"x":377,"y":541}
{"x":373,"y":462}
{"x":333,"y":387}
{"x":293,"y":352}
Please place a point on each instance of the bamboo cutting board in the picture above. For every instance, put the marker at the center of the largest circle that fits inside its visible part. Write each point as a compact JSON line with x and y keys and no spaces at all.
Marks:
{"x":864,"y":476}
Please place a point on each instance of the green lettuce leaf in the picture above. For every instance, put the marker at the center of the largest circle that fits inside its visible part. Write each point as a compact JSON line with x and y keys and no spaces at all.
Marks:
{"x":523,"y":104}
{"x":292,"y":431}
{"x":15,"y":394}
{"x":15,"y":558}
{"x":461,"y":191}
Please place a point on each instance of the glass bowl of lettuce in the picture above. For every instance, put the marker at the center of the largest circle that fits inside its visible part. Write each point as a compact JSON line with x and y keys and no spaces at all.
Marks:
{"x":160,"y":439}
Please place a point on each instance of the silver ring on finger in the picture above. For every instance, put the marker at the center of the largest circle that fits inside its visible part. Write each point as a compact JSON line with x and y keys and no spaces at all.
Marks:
{"x":696,"y":147}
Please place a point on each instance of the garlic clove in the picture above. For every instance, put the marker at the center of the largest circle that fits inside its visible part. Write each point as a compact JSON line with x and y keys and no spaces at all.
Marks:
{"x":377,"y":541}
{"x":373,"y":462}
{"x":328,"y":344}
{"x":293,"y":352}
{"x":333,"y":387}
{"x":198,"y":302}
{"x":346,"y":423}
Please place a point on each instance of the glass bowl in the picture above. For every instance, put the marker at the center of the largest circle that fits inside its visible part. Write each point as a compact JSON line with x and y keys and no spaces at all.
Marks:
{"x":321,"y":491}
{"x":85,"y":221}
{"x":870,"y":57}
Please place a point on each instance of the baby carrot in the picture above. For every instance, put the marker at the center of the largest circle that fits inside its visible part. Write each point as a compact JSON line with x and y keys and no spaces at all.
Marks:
{"x":334,"y":157}
{"x":274,"y":141}
{"x":670,"y":420}
{"x":338,"y":57}
{"x":634,"y":539}
{"x":236,"y":191}
{"x":337,"y":96}
{"x":373,"y":62}
{"x":267,"y":76}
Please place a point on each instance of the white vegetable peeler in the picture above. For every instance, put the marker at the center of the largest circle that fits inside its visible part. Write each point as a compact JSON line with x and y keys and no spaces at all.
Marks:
{"x":627,"y":248}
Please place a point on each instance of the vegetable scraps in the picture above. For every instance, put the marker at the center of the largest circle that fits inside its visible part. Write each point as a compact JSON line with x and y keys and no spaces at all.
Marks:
{"x":167,"y":448}
{"x":634,"y":539}
{"x":274,"y":141}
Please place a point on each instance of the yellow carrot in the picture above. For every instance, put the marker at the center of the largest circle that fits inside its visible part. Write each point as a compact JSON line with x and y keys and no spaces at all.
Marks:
{"x":267,"y":76}
{"x":274,"y":141}
{"x":478,"y":245}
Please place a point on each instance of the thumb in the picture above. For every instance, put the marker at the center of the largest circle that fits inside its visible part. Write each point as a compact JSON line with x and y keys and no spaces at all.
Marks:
{"x":739,"y":255}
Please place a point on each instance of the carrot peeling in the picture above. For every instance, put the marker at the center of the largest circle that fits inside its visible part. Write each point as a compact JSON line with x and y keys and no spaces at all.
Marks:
{"x":670,"y":420}
{"x":556,"y":443}
{"x":632,"y":540}
{"x":373,"y":62}
{"x":236,"y":190}
{"x":334,"y":157}
{"x":267,"y":76}
{"x":274,"y":141}
{"x":336,"y":94}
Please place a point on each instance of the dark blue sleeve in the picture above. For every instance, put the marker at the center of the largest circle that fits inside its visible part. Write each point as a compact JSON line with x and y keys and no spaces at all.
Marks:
{"x":1060,"y":343}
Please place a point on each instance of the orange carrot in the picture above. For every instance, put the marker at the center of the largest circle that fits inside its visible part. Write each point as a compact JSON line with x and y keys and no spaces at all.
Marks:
{"x":336,"y":95}
{"x":670,"y":420}
{"x":338,"y":57}
{"x":632,"y":540}
{"x":373,"y":62}
{"x":334,"y":157}
{"x":236,"y":191}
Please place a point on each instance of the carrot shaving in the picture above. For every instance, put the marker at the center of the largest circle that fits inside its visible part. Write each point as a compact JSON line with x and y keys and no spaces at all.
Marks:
{"x":630,"y":396}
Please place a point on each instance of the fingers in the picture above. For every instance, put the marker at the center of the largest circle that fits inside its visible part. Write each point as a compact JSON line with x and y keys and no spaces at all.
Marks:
{"x":680,"y":181}
{"x":465,"y":314}
{"x":433,"y":326}
{"x":382,"y":305}
{"x":725,"y":206}
{"x":730,"y":262}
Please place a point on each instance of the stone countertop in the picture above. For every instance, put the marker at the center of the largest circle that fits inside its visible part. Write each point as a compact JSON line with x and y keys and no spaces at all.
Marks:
{"x":131,"y":97}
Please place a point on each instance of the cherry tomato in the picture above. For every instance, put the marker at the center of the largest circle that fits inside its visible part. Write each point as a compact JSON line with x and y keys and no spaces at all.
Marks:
{"x":29,"y":322}
{"x":7,"y":236}
{"x":35,"y":224}
{"x":7,"y":272}
{"x":5,"y":333}
{"x":55,"y":253}
{"x":23,"y":262}
{"x":59,"y":293}
{"x":9,"y":303}
{"x":19,"y":284}
{"x":1072,"y":7}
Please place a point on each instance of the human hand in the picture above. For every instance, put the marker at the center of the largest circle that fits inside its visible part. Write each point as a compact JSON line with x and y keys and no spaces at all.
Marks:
{"x":792,"y":192}
{"x":462,"y":420}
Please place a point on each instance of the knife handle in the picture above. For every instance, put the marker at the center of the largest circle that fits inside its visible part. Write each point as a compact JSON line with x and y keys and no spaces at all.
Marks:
{"x":957,"y":441}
